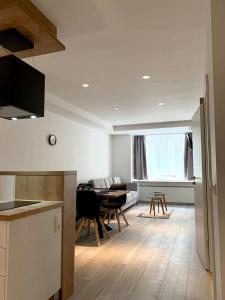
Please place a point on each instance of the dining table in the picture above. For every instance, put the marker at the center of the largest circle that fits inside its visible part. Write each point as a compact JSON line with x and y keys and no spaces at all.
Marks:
{"x":110,"y":194}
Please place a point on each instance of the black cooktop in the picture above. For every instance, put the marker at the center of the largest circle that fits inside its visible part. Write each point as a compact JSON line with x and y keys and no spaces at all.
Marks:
{"x":14,"y":204}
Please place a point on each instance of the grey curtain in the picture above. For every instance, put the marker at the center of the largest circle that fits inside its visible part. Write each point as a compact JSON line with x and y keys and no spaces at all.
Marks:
{"x":139,"y":163}
{"x":188,"y":156}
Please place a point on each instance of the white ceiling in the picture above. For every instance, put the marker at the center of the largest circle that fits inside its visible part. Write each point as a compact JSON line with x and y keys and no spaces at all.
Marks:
{"x":111,"y":43}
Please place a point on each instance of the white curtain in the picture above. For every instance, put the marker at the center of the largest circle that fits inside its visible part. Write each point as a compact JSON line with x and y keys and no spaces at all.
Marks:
{"x":165,"y":156}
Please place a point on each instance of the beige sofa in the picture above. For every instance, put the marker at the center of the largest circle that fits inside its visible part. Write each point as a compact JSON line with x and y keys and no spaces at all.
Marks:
{"x":105,"y":183}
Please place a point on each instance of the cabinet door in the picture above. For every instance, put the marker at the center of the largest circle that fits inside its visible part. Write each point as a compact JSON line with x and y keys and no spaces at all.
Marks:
{"x":34,"y":256}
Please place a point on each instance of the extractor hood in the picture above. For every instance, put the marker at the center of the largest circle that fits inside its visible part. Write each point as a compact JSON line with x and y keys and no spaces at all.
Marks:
{"x":24,"y":32}
{"x":22,"y":89}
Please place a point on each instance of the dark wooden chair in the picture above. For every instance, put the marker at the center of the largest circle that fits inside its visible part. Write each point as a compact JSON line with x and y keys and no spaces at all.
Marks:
{"x":115,"y":207}
{"x":88,"y":210}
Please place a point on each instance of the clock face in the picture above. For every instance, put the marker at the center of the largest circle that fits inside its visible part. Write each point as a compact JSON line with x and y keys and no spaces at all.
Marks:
{"x":52,"y":139}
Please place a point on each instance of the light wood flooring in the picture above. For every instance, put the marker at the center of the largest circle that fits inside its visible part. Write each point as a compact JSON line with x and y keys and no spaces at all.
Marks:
{"x":150,"y":259}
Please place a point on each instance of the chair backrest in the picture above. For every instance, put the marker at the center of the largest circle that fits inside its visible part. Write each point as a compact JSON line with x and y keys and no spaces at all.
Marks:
{"x":84,"y":186}
{"x":88,"y":204}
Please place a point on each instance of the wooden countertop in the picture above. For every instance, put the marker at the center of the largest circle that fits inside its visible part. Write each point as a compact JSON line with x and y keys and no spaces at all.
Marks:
{"x":38,"y":173}
{"x":24,"y":211}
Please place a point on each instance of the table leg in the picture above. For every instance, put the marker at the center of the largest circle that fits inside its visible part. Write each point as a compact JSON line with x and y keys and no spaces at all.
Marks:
{"x":164,"y":200}
{"x":161,"y":201}
{"x":151,"y":203}
{"x":154,"y":207}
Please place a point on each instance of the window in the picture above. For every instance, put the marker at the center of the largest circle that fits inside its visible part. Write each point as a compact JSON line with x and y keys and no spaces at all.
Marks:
{"x":165,"y":156}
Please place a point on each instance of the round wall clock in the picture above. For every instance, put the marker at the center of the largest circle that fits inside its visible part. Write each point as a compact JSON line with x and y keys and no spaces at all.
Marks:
{"x":52,"y":139}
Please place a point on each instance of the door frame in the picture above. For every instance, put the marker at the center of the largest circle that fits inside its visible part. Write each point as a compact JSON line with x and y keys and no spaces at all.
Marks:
{"x":209,"y":182}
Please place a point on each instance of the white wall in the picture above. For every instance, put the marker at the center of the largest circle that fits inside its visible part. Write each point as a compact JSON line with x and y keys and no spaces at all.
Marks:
{"x":24,"y":147}
{"x":122,"y":156}
{"x":7,"y":188}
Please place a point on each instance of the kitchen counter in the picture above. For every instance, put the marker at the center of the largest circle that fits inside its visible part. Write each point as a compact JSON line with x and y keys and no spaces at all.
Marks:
{"x":31,"y":251}
{"x":24,"y":226}
{"x":24,"y":211}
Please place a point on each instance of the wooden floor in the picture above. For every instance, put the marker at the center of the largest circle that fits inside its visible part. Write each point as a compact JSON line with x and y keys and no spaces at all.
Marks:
{"x":150,"y":259}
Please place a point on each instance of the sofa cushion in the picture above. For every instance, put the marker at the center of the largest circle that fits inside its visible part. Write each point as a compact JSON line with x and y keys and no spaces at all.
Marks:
{"x":99,"y":184}
{"x":116,"y":180}
{"x":108,"y":182}
{"x":118,"y":186}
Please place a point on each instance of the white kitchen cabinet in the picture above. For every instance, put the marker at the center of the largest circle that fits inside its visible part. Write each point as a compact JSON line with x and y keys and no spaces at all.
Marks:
{"x":30,"y":263}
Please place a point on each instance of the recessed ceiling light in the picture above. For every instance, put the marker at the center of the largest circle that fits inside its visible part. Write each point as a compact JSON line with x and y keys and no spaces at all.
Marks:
{"x":116,"y":108}
{"x":33,"y":117}
{"x":14,"y":119}
{"x":145,"y":77}
{"x":161,"y":104}
{"x":85,"y":85}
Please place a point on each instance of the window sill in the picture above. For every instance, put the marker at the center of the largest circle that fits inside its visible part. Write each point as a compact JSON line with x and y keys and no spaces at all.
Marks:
{"x":161,"y":183}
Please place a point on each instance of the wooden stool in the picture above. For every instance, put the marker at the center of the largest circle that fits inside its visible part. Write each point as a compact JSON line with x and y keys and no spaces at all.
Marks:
{"x":159,"y":194}
{"x":156,"y":200}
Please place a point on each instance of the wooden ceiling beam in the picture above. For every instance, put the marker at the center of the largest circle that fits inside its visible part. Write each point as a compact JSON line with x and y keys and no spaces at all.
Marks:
{"x":26,"y":18}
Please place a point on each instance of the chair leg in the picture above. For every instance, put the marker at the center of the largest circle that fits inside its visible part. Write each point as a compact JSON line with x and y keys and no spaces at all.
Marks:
{"x":105,"y":215}
{"x":150,"y":207}
{"x":158,"y":204}
{"x":109,"y":215}
{"x":96,"y":232}
{"x":89,"y":226}
{"x":79,"y":229}
{"x":125,"y":219}
{"x":118,"y":219}
{"x":104,"y":229}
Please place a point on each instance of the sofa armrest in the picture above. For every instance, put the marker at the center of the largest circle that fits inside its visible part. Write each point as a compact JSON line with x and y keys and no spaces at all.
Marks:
{"x":132,"y":186}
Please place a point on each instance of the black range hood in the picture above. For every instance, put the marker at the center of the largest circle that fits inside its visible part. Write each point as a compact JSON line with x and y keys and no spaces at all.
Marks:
{"x":22,"y":89}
